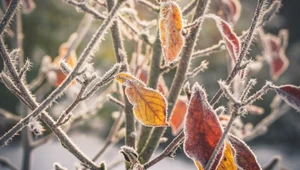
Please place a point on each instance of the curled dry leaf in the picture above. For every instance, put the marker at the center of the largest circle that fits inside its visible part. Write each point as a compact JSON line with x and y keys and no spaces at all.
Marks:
{"x":232,"y":41}
{"x":275,"y":53}
{"x":149,"y":106}
{"x":233,"y":10}
{"x":245,"y":157}
{"x":72,"y":60}
{"x":178,"y":114}
{"x":170,"y":27}
{"x":290,"y":94}
{"x":202,"y":129}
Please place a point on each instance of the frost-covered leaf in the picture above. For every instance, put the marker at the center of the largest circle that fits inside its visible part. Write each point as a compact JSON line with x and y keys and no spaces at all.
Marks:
{"x":245,"y":158}
{"x":149,"y":106}
{"x":290,"y":94}
{"x":202,"y":129}
{"x":232,"y":41}
{"x":275,"y":53}
{"x":170,"y":27}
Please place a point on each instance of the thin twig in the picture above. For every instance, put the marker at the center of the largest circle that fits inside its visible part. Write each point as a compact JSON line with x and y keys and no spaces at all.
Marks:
{"x":170,"y":148}
{"x":263,"y":125}
{"x":245,"y":47}
{"x":45,"y":104}
{"x":8,"y":15}
{"x":149,"y":5}
{"x":213,"y":156}
{"x":84,"y":7}
{"x":6,"y":163}
{"x":116,"y":101}
{"x":189,"y":7}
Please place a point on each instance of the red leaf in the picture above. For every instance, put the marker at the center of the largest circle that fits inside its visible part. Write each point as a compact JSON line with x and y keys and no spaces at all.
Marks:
{"x":202,"y":129}
{"x":290,"y":94}
{"x":232,"y":41}
{"x":233,"y":8}
{"x":179,"y":112}
{"x":275,"y":55}
{"x":245,"y":157}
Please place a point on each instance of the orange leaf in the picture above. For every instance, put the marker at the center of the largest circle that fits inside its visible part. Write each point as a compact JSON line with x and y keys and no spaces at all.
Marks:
{"x":149,"y":106}
{"x":227,"y":162}
{"x":245,"y":157}
{"x":72,"y":60}
{"x":170,"y":26}
{"x":202,"y":129}
{"x":176,"y":120}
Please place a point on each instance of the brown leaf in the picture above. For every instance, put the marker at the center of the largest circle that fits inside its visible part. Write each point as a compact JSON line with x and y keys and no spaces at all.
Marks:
{"x":202,"y":129}
{"x":149,"y":106}
{"x":290,"y":94}
{"x":245,"y":157}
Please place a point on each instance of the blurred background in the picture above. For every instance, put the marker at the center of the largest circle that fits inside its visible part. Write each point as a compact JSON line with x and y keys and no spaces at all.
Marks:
{"x":52,"y":22}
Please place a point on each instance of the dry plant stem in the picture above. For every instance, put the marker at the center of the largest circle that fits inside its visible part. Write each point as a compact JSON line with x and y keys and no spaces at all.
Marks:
{"x":8,"y":15}
{"x":152,"y":83}
{"x":119,"y":51}
{"x":213,"y":156}
{"x":178,"y":81}
{"x":208,"y":51}
{"x":273,"y":163}
{"x":66,"y":141}
{"x":149,"y":5}
{"x":8,"y":115}
{"x":85,"y":54}
{"x":18,"y":38}
{"x":63,"y":118}
{"x":262,"y":126}
{"x":84,"y":7}
{"x":170,"y":148}
{"x":189,"y":8}
{"x":245,"y":47}
{"x":6,"y":163}
{"x":116,"y":101}
{"x":32,"y":104}
{"x":112,"y":134}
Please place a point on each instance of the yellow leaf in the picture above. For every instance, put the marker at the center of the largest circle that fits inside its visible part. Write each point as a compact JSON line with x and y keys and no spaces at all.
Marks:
{"x":149,"y":106}
{"x":227,"y":162}
{"x":170,"y":26}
